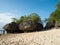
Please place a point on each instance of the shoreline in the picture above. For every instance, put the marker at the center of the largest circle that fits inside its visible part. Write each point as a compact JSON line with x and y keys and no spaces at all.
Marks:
{"x":50,"y":37}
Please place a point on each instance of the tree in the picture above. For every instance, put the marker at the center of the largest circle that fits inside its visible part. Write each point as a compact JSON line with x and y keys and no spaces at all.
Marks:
{"x":33,"y":17}
{"x":58,"y":5}
{"x":14,"y":19}
{"x":45,"y":20}
{"x":56,"y":14}
{"x":19,"y":20}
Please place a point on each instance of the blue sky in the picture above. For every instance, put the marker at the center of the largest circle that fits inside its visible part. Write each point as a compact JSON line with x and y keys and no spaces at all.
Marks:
{"x":16,"y":8}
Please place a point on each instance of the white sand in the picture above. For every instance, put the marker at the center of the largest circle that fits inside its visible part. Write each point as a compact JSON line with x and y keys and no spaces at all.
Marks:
{"x":50,"y":37}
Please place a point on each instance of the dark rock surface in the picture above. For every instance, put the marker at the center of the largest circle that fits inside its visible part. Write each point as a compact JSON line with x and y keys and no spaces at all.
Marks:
{"x":39,"y":27}
{"x":28,"y":26}
{"x":50,"y":25}
{"x":11,"y":27}
{"x":57,"y":25}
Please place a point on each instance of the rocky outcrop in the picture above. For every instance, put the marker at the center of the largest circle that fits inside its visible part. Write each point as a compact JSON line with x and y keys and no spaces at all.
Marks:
{"x":25,"y":26}
{"x":11,"y":27}
{"x":28,"y":26}
{"x":39,"y":27}
{"x":57,"y":25}
{"x":50,"y":25}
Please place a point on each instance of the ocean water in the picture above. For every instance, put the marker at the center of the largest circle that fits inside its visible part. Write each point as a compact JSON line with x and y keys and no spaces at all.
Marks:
{"x":2,"y":31}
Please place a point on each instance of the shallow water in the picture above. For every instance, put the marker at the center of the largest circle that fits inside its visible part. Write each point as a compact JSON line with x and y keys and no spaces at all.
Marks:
{"x":1,"y":32}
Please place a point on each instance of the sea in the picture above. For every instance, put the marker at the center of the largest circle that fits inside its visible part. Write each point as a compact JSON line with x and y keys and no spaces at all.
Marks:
{"x":3,"y":32}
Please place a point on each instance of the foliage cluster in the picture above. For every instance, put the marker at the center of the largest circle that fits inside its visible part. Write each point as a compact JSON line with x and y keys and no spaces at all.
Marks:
{"x":56,"y":14}
{"x":33,"y":17}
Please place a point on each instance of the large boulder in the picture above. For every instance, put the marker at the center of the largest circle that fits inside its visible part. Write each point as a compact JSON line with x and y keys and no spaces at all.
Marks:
{"x":11,"y":27}
{"x":39,"y":27}
{"x":26,"y":25}
{"x":57,"y":25}
{"x":29,"y":26}
{"x":50,"y":25}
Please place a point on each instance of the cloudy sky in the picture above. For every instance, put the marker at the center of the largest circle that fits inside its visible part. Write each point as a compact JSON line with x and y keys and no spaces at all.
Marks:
{"x":16,"y":8}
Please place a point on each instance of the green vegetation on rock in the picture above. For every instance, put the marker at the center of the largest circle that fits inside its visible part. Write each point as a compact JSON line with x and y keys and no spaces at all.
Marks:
{"x":35,"y":18}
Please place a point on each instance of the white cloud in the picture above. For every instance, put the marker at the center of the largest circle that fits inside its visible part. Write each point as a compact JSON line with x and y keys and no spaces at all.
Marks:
{"x":5,"y":18}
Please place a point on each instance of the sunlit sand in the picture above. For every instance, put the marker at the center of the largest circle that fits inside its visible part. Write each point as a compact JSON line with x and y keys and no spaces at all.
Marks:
{"x":50,"y":37}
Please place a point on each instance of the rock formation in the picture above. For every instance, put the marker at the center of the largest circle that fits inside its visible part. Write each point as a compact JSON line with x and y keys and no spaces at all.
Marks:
{"x":11,"y":27}
{"x":28,"y":26}
{"x":57,"y":25}
{"x":50,"y":24}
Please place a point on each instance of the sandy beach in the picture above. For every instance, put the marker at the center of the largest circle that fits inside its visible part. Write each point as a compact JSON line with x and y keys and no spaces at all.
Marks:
{"x":50,"y":37}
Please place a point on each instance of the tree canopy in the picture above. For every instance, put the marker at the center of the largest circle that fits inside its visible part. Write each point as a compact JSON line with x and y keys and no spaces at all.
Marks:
{"x":56,"y":14}
{"x":33,"y":17}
